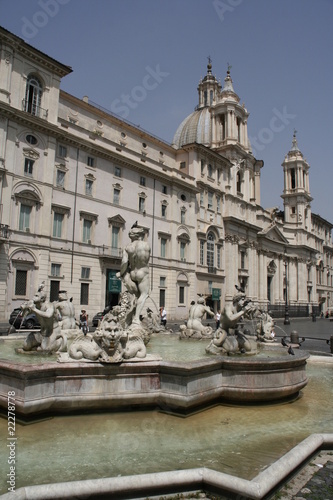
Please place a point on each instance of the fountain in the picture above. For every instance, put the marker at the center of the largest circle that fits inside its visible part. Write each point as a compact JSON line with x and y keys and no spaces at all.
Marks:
{"x":117,"y":368}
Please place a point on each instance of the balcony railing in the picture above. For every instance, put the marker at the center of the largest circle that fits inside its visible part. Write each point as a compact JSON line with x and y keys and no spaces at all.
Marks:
{"x":4,"y":231}
{"x":113,"y":252}
{"x":33,"y":109}
{"x":212,"y":270}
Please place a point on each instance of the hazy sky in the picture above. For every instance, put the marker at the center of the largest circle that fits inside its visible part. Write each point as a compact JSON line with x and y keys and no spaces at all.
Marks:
{"x":155,"y":52}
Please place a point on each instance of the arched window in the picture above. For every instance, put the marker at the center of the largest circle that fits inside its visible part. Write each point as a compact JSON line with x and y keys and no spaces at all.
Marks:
{"x":33,"y":95}
{"x":210,"y":249}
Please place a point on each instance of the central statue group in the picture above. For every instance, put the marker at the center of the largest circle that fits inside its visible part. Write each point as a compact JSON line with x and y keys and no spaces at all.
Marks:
{"x":125,"y":330}
{"x":123,"y":334}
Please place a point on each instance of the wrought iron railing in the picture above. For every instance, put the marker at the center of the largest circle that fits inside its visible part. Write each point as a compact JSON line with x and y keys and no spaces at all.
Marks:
{"x":212,"y":270}
{"x":4,"y":231}
{"x":33,"y":109}
{"x":106,"y":251}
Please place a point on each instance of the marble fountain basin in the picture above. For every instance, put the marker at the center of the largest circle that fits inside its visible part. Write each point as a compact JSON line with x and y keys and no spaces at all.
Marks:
{"x":44,"y":386}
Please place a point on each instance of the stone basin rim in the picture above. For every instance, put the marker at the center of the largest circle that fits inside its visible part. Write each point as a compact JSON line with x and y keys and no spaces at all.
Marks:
{"x":238,"y":362}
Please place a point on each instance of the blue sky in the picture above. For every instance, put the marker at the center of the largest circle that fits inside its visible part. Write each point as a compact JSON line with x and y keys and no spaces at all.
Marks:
{"x":155,"y":51}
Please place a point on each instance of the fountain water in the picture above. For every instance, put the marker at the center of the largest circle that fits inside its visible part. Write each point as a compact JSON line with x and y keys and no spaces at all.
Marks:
{"x":105,"y":445}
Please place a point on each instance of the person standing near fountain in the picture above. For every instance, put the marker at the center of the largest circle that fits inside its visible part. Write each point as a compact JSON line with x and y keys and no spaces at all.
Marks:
{"x":134,"y":269}
{"x":163,"y":316}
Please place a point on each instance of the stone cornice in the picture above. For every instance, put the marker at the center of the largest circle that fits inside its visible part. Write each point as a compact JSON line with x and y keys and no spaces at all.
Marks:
{"x":34,"y":54}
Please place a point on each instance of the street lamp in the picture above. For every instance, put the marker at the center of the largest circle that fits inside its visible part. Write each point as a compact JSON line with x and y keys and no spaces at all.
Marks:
{"x":286,"y":308}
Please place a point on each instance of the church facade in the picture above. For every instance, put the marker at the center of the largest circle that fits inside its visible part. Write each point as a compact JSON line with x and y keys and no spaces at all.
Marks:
{"x":74,"y":178}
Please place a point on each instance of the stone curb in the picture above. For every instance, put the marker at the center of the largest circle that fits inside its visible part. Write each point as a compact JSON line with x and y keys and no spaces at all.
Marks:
{"x":180,"y":481}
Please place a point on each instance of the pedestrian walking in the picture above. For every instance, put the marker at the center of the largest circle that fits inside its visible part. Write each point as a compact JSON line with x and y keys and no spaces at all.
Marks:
{"x":218,"y":318}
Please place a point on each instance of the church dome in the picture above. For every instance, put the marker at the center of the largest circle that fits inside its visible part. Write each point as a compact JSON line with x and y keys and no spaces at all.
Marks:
{"x":218,"y":120}
{"x":195,"y":128}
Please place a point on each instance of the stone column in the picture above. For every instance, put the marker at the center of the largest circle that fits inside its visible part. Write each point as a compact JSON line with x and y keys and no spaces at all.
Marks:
{"x":302,"y":281}
{"x":262,"y":275}
{"x":213,"y":123}
{"x":292,"y":281}
{"x":231,"y":265}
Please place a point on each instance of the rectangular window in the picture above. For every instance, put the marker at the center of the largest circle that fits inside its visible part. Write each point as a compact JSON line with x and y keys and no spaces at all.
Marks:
{"x":181,"y":295}
{"x":218,"y":256}
{"x":182,"y":216}
{"x":202,"y":252}
{"x":142,"y":181}
{"x":89,"y":187}
{"x":210,"y":170}
{"x":57,"y":224}
{"x":117,"y":171}
{"x":183,"y":164}
{"x":163,"y":247}
{"x":210,"y":200}
{"x":115,"y":238}
{"x":28,"y":166}
{"x":242,"y":258}
{"x":162,"y":298}
{"x":58,"y":221}
{"x":182,"y":250}
{"x":163,"y":210}
{"x":141,"y":204}
{"x":201,"y":199}
{"x":87,"y":225}
{"x":90,"y":161}
{"x":218,"y":204}
{"x":24,"y":223}
{"x":162,"y":281}
{"x":202,"y":167}
{"x":21,"y":282}
{"x":85,"y":273}
{"x":55,"y":269}
{"x":54,"y":290}
{"x":116,"y":196}
{"x":60,"y":178}
{"x":62,"y":151}
{"x":84,"y":296}
{"x":164,"y":190}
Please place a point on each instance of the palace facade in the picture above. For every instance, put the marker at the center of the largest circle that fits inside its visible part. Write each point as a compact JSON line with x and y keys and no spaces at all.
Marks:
{"x":74,"y":178}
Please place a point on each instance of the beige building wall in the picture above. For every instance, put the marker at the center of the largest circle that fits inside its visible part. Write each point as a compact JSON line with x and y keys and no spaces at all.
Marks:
{"x":199,"y":201}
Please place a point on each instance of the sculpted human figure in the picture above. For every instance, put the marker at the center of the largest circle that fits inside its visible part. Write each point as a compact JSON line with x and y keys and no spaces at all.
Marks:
{"x":66,"y":310}
{"x":233,"y":312}
{"x":134,"y":270}
{"x":196,"y":313}
{"x":227,"y":338}
{"x":50,"y":337}
{"x":265,"y":328}
{"x":194,"y":329}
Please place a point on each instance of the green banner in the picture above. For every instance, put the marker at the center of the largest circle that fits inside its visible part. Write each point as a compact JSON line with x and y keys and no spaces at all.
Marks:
{"x":216,"y":293}
{"x":114,"y":283}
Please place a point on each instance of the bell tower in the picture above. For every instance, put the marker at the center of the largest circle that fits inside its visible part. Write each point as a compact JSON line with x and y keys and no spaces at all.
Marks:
{"x":208,"y":88}
{"x":296,"y":194}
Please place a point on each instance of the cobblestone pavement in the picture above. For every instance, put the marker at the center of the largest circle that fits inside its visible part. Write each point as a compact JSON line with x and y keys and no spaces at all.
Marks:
{"x":313,"y":482}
